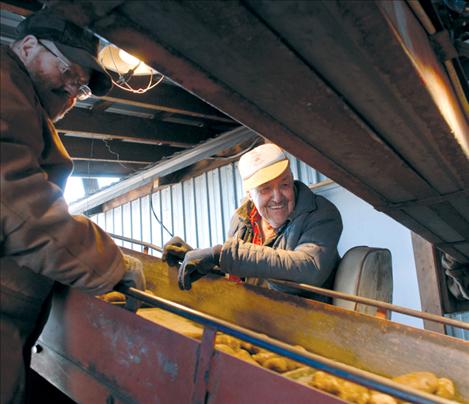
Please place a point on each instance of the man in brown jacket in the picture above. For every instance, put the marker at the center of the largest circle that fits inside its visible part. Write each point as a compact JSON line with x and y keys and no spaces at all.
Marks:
{"x":51,"y":65}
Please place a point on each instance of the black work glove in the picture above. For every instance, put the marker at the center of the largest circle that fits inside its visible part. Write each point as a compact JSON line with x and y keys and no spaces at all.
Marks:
{"x":196,"y":264}
{"x":175,"y":250}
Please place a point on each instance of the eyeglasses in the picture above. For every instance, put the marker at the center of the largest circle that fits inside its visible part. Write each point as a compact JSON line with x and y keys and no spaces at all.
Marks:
{"x":83,"y":91}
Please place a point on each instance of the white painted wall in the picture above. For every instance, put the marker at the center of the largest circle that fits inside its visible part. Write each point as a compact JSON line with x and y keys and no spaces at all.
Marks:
{"x":363,"y":225}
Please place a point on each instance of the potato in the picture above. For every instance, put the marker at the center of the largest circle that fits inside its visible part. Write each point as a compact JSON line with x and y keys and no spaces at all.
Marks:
{"x":346,"y":390}
{"x":225,"y":348}
{"x":240,"y":354}
{"x":324,"y":381}
{"x":445,"y":388}
{"x":292,"y":365}
{"x":263,"y":356}
{"x":300,"y":348}
{"x":424,"y":381}
{"x":381,"y":398}
{"x":228,"y":340}
{"x":256,"y":349}
{"x":247,"y":346}
{"x":112,"y":297}
{"x":352,"y":392}
{"x":276,"y":364}
{"x":245,"y":356}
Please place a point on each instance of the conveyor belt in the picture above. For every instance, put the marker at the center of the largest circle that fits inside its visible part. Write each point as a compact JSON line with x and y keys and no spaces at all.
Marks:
{"x":159,"y":361}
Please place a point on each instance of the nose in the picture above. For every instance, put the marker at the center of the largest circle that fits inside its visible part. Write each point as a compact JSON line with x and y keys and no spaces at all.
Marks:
{"x":72,"y":89}
{"x":276,"y":194}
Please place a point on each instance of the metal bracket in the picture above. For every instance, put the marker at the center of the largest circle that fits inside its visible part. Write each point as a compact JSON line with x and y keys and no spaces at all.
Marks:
{"x":443,"y":46}
{"x":202,"y":368}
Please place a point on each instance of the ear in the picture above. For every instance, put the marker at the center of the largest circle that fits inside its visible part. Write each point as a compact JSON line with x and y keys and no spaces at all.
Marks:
{"x":248,"y":193}
{"x":28,"y":48}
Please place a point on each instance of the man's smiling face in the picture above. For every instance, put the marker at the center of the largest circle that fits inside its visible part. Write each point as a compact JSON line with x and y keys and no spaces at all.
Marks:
{"x":275,"y":200}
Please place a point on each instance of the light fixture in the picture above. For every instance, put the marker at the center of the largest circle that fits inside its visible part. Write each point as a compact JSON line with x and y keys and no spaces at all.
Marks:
{"x":127,"y":66}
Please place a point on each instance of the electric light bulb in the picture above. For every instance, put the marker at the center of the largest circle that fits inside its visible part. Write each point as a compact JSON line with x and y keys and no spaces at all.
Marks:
{"x":128,"y":58}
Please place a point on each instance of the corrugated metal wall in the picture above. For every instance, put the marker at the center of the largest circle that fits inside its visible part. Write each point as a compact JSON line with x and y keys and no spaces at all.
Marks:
{"x":198,"y":210}
{"x":458,"y":332}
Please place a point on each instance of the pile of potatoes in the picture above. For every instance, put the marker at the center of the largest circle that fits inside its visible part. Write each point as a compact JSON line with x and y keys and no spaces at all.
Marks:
{"x":253,"y":354}
{"x":354,"y":393}
{"x":348,"y":391}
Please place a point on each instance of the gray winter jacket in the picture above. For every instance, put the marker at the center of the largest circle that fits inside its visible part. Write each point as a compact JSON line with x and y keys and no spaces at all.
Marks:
{"x":303,"y":251}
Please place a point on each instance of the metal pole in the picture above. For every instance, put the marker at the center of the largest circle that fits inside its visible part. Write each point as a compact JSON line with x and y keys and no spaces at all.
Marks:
{"x":377,"y":303}
{"x":142,"y":243}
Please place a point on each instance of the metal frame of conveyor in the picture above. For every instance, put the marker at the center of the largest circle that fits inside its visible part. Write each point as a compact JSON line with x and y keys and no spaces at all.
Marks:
{"x":212,"y":325}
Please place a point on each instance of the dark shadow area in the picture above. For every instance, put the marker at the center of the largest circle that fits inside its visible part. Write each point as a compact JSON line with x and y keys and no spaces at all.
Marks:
{"x":41,"y":391}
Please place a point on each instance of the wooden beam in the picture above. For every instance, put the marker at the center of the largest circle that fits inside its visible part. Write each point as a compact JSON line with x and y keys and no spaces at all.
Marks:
{"x":228,"y":156}
{"x":429,"y":281}
{"x":82,"y":168}
{"x":112,"y":150}
{"x":167,"y":98}
{"x":116,"y":126}
{"x":101,"y":105}
{"x":21,"y":7}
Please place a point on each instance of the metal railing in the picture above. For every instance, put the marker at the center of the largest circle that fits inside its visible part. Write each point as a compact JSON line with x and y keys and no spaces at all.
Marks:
{"x":133,"y":241}
{"x":376,"y":303}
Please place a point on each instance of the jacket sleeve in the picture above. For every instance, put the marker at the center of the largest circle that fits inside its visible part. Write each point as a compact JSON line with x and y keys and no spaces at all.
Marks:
{"x":37,"y":231}
{"x":310,"y":261}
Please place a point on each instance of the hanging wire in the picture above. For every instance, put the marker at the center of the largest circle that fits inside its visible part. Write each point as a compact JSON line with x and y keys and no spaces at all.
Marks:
{"x":153,"y":210}
{"x":108,"y":147}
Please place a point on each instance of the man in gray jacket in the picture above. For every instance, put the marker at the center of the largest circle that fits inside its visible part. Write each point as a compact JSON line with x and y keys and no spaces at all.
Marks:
{"x":282,"y":231}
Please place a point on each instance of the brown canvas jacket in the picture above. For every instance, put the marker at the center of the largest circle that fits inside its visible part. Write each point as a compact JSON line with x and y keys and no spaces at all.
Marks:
{"x":40,"y":242}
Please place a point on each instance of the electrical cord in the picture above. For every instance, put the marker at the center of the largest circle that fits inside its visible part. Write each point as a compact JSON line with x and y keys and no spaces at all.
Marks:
{"x":154,"y":213}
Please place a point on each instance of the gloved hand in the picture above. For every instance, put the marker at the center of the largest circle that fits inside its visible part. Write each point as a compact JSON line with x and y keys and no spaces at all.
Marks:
{"x":196,"y":264}
{"x":175,"y":250}
{"x":133,"y":278}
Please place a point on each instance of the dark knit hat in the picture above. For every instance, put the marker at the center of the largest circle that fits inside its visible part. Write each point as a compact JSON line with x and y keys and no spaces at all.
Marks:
{"x":77,"y":44}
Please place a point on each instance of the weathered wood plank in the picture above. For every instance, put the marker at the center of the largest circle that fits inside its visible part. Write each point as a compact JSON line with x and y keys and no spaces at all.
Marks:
{"x":428,"y":280}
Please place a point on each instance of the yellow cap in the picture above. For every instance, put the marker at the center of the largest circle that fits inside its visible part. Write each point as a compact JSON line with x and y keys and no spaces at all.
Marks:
{"x":262,"y":164}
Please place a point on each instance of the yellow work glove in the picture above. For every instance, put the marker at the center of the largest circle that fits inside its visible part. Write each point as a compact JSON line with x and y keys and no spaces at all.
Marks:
{"x":175,"y":250}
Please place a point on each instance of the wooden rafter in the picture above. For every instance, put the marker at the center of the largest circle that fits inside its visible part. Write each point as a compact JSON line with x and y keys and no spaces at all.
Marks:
{"x":114,"y":150}
{"x":117,"y":126}
{"x":82,"y":168}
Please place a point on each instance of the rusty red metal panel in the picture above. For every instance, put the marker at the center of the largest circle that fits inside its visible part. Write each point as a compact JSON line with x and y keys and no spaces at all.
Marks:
{"x":233,"y":381}
{"x":131,"y":356}
{"x":68,"y":377}
{"x":96,"y":352}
